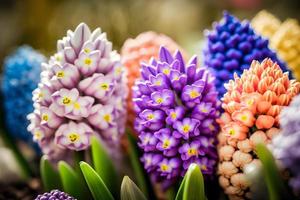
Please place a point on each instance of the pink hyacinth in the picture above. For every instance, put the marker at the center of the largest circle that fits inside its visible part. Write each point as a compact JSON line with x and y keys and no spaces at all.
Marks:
{"x":82,"y":93}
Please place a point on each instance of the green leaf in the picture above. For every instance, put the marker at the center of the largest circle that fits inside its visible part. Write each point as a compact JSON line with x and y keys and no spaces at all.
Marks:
{"x":95,"y":183}
{"x":50,"y":177}
{"x":71,"y":181}
{"x":136,"y":165}
{"x":104,"y":166}
{"x":129,"y":190}
{"x":194,"y":184}
{"x":275,"y":184}
{"x":179,"y":194}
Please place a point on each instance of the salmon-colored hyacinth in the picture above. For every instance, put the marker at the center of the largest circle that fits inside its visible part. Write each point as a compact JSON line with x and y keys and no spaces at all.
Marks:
{"x":141,"y":49}
{"x":251,"y":106}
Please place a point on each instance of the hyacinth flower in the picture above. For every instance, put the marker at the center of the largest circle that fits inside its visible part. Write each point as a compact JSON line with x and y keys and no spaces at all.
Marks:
{"x":231,"y":47}
{"x":20,"y":78}
{"x":53,"y":195}
{"x":286,"y":41}
{"x":251,"y":106}
{"x":81,"y":94}
{"x":176,"y":107}
{"x":141,"y":49}
{"x":285,"y":146}
{"x":265,"y":24}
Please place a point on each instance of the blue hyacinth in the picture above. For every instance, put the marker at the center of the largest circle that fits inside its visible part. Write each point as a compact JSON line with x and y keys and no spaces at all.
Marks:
{"x":21,"y":75}
{"x":231,"y":47}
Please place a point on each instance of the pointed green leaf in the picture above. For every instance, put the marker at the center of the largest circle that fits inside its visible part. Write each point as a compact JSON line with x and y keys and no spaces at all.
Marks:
{"x":136,"y":165}
{"x":71,"y":181}
{"x":275,"y":184}
{"x":179,"y":194}
{"x":129,"y":190}
{"x":194,"y":184}
{"x":95,"y":183}
{"x":50,"y":177}
{"x":104,"y":166}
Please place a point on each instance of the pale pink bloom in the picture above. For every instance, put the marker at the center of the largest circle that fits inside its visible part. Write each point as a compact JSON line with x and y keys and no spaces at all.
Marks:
{"x":75,"y":136}
{"x":226,"y":152}
{"x":240,"y":159}
{"x":224,"y":119}
{"x":64,"y":100}
{"x":49,"y":118}
{"x":98,"y":85}
{"x":239,"y":180}
{"x":258,"y":137}
{"x":227,"y":169}
{"x":87,"y":63}
{"x":232,"y":142}
{"x":224,"y":182}
{"x":272,"y":132}
{"x":222,"y":138}
{"x":67,"y":74}
{"x":42,"y":94}
{"x":245,"y":145}
{"x":102,"y":116}
{"x":250,"y":100}
{"x":81,"y":108}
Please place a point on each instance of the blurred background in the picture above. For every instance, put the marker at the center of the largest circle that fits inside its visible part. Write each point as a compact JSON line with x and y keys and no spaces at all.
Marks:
{"x":40,"y":23}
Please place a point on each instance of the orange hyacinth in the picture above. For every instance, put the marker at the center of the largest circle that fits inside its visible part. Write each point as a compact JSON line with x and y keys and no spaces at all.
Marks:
{"x":142,"y":49}
{"x":252,"y":105}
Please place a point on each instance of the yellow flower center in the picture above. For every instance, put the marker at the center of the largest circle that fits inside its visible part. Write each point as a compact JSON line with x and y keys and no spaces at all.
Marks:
{"x":166,"y":144}
{"x":40,"y":95}
{"x":159,"y":100}
{"x":150,"y":116}
{"x":60,"y":74}
{"x":173,"y":115}
{"x":45,"y":117}
{"x":107,"y":118}
{"x":66,"y":100}
{"x":37,"y":135}
{"x":57,"y":58}
{"x":88,"y":61}
{"x":204,"y":110}
{"x":203,"y":167}
{"x":194,"y":94}
{"x":87,"y":50}
{"x":250,"y":102}
{"x":231,"y":132}
{"x":186,"y":128}
{"x":73,"y":137}
{"x":158,"y":83}
{"x":176,"y":78}
{"x":77,"y":105}
{"x":192,"y":152}
{"x":244,"y":118}
{"x":104,"y":86}
{"x":164,"y":167}
{"x":166,"y":71}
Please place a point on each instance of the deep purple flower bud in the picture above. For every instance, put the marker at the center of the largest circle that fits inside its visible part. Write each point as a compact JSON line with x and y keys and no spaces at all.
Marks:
{"x":176,"y":107}
{"x":231,"y":47}
{"x":54,"y":195}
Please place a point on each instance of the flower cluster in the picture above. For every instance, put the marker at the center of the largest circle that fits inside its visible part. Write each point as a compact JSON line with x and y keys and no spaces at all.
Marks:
{"x":265,"y":24}
{"x":20,"y":78}
{"x":231,"y":47}
{"x":53,"y":195}
{"x":176,"y":107}
{"x":285,"y":146}
{"x":286,"y":41}
{"x":141,"y":49}
{"x":252,"y":105}
{"x":82,"y":93}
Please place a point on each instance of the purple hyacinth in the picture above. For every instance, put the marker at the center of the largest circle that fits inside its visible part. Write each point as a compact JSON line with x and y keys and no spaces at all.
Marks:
{"x":231,"y":47}
{"x":286,"y":145}
{"x":54,"y":195}
{"x":176,"y":106}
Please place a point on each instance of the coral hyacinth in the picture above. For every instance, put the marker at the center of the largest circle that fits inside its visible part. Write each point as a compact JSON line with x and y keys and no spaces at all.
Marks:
{"x":82,"y":93}
{"x":231,"y":47}
{"x":141,"y":49}
{"x":252,"y":105}
{"x":20,"y":78}
{"x":176,"y":107}
{"x":285,"y":146}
